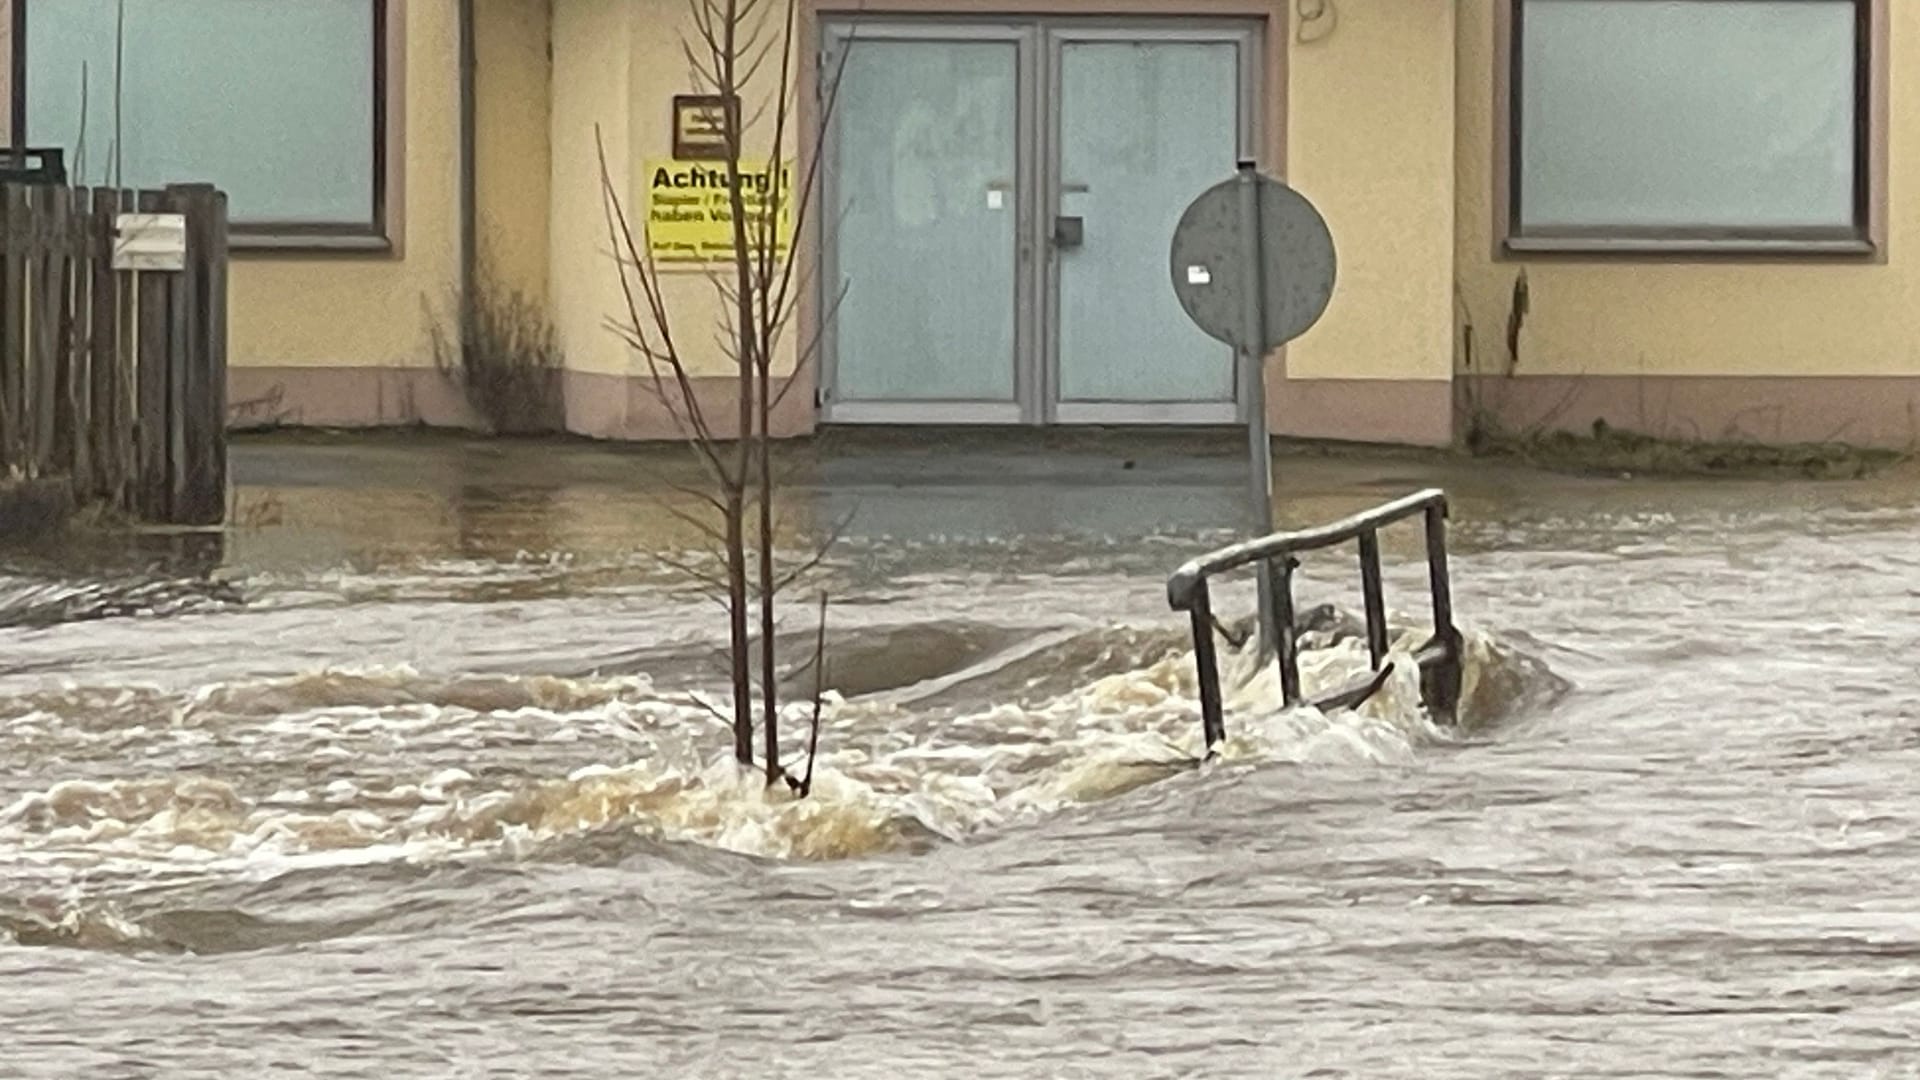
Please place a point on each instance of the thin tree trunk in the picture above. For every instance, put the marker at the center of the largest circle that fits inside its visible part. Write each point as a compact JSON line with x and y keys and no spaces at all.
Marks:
{"x":747,"y":338}
{"x":737,"y":618}
{"x":769,"y":689}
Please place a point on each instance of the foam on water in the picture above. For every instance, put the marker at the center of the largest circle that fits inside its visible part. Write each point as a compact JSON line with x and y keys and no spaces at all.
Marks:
{"x":341,"y":762}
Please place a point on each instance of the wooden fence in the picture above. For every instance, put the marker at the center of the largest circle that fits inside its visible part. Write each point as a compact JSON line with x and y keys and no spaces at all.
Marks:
{"x":113,"y":363}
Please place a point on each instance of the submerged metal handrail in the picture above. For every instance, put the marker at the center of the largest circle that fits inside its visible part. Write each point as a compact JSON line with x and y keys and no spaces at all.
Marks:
{"x":1439,"y":658}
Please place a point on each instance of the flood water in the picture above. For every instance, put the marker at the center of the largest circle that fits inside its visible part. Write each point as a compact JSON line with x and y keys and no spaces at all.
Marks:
{"x":410,"y":777}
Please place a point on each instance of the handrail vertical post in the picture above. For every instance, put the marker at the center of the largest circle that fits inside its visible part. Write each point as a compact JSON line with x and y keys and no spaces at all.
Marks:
{"x":1207,"y":668}
{"x":1375,"y":596}
{"x":1443,"y":687}
{"x":1286,"y":649}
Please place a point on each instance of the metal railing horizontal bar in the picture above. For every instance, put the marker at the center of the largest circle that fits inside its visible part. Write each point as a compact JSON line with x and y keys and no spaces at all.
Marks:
{"x":1180,"y":585}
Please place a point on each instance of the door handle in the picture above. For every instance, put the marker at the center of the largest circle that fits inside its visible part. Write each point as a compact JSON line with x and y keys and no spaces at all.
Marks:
{"x":1069,"y":232}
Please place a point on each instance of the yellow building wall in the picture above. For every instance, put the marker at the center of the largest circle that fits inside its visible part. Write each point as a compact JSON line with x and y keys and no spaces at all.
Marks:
{"x":344,"y":310}
{"x":512,"y":142}
{"x":1369,"y":126}
{"x":1682,"y":316}
{"x":592,"y":48}
{"x":618,"y":64}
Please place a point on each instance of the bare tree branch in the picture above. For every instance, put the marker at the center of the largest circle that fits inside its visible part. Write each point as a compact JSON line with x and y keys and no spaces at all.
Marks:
{"x":810,"y":348}
{"x":805,"y":787}
{"x":702,"y":526}
{"x":820,"y":552}
{"x":701,"y":701}
{"x":666,"y":355}
{"x":683,"y":567}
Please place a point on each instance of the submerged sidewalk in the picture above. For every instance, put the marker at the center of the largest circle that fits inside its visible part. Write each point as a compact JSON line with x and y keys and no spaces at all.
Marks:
{"x":1021,"y":500}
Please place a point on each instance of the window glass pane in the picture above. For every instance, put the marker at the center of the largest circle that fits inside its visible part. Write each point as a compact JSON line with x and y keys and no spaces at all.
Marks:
{"x":924,"y":175}
{"x":272,"y":100}
{"x":1730,"y":113}
{"x":1143,"y":125}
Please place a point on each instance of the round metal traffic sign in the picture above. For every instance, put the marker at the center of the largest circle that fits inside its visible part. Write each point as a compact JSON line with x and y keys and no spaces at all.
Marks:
{"x":1211,"y":268}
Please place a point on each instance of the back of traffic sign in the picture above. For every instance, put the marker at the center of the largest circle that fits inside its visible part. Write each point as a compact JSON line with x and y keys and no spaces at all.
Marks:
{"x":1253,"y":266}
{"x":1212,"y":270}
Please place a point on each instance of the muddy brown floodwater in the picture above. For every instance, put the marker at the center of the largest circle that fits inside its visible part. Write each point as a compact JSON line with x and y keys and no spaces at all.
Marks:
{"x":406,"y":779}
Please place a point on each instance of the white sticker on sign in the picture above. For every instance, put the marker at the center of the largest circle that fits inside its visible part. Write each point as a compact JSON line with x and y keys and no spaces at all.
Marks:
{"x":996,"y":199}
{"x":1199,"y":275}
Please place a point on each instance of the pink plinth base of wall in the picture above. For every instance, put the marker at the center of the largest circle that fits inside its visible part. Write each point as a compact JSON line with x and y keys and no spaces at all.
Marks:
{"x":1872,"y":411}
{"x":1862,"y":410}
{"x":599,"y":406}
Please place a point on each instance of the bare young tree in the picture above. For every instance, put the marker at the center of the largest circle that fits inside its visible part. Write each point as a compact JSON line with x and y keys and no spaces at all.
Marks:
{"x":741,"y":52}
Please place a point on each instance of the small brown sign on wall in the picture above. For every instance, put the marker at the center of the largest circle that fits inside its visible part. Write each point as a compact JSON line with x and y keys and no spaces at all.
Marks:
{"x":699,"y":126}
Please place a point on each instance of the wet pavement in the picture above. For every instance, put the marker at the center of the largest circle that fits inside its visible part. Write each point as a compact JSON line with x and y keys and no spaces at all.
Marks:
{"x":409,"y":775}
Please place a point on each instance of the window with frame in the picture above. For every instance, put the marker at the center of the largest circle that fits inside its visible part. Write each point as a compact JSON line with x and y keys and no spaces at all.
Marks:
{"x":1692,"y":124}
{"x":280,"y":103}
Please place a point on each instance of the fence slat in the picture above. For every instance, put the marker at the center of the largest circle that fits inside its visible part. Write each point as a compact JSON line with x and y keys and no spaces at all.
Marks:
{"x":44,"y":280}
{"x":80,"y":350}
{"x":202,"y":411}
{"x":105,"y":383}
{"x":9,"y":392}
{"x":152,"y":357}
{"x":180,"y":374}
{"x":127,"y":352}
{"x":13,"y":364}
{"x":70,"y":343}
{"x":216,"y":342}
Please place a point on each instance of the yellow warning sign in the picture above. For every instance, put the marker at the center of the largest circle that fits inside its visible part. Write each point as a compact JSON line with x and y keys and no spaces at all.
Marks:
{"x":690,"y":209}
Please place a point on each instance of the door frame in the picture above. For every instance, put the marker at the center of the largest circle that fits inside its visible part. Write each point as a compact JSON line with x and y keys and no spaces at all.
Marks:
{"x":838,"y":33}
{"x":1037,"y":37}
{"x":1246,"y":35}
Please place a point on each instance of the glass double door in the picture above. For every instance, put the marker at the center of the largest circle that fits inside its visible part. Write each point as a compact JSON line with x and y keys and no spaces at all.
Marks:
{"x":998,"y":201}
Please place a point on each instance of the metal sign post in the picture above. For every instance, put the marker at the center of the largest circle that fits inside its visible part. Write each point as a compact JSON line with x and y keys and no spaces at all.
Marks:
{"x":1253,"y":377}
{"x":1254,"y":266}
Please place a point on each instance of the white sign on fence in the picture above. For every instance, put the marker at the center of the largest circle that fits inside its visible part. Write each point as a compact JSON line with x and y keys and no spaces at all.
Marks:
{"x":150,"y":242}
